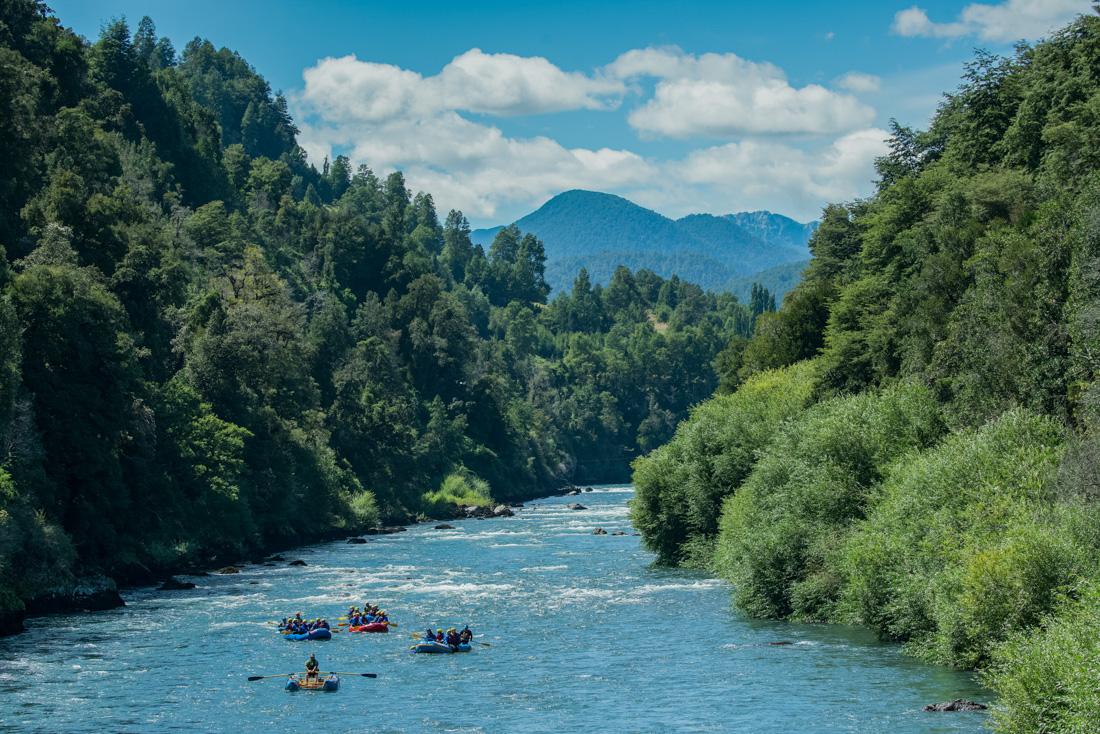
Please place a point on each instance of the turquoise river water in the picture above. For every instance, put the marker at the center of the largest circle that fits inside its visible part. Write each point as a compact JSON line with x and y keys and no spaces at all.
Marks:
{"x":583,"y":635}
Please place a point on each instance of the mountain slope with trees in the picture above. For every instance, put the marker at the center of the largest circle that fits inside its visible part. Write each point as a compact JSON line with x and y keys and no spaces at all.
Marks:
{"x":600,"y":232}
{"x":911,"y":443}
{"x":210,"y":347}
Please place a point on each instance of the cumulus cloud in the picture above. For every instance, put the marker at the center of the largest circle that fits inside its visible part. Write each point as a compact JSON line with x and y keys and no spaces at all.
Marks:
{"x":858,"y":82}
{"x":397,"y":119}
{"x":474,"y":166}
{"x":497,"y":84}
{"x":1010,"y":20}
{"x":752,"y":173}
{"x":723,"y":95}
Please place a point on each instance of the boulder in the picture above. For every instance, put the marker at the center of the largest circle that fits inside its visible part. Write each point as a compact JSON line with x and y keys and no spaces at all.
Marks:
{"x":228,"y":570}
{"x":356,"y":541}
{"x":444,"y":526}
{"x":88,"y":594}
{"x":276,"y":558}
{"x":11,"y":622}
{"x":174,"y":584}
{"x":619,"y":532}
{"x":502,"y":511}
{"x":478,"y":511}
{"x":516,"y":505}
{"x":297,"y":562}
{"x":587,"y":489}
{"x":780,"y":643}
{"x":958,"y":704}
{"x":389,"y":530}
{"x":576,"y":506}
{"x":573,"y":492}
{"x":599,"y":531}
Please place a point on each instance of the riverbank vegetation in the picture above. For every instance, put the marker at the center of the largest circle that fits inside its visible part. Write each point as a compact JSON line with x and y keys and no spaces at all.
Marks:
{"x":210,"y":345}
{"x":938,"y":482}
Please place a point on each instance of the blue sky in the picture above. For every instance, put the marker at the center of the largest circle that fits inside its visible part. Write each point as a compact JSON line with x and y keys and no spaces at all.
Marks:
{"x":496,"y":106}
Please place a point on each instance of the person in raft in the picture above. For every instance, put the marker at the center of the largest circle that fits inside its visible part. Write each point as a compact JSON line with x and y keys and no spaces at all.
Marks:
{"x":466,"y":635}
{"x":312,"y":668}
{"x":439,"y":635}
{"x":453,"y":639}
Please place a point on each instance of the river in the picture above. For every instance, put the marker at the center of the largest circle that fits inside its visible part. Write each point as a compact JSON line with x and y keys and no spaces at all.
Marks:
{"x":582,"y":634}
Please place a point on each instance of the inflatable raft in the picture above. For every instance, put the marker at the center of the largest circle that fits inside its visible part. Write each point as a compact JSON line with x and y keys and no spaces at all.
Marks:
{"x":440,"y":648}
{"x":329,"y":684}
{"x":318,"y":634}
{"x":372,"y":627}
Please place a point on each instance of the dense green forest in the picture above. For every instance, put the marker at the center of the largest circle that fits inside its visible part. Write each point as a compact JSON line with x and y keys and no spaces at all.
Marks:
{"x":211,"y":346}
{"x":912,"y":442}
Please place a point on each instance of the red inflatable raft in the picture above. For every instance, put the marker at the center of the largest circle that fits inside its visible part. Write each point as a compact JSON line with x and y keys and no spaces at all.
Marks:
{"x":372,"y":627}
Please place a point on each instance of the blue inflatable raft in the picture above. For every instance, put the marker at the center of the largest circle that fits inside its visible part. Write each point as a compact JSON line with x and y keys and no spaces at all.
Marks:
{"x":318,"y":634}
{"x":439,"y":648}
{"x":329,"y":684}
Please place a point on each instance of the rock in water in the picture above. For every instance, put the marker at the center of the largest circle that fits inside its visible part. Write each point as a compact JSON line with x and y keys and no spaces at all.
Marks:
{"x":573,"y":492}
{"x":958,"y":704}
{"x":356,"y":541}
{"x":174,"y":584}
{"x":587,"y":489}
{"x":619,"y":532}
{"x":576,"y":506}
{"x":297,"y":562}
{"x":88,"y":593}
{"x":599,"y":531}
{"x":444,"y":526}
{"x":227,"y":570}
{"x":502,"y":511}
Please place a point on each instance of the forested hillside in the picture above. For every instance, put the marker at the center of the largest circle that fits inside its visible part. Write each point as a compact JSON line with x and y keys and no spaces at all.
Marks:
{"x":599,"y":232}
{"x":210,"y":345}
{"x":912,"y":442}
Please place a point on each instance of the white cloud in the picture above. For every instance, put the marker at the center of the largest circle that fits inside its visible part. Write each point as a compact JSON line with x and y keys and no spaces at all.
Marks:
{"x":723,"y":95}
{"x":497,"y":84}
{"x":392,"y":118}
{"x":473,"y":166}
{"x":858,"y":82}
{"x":504,"y":84}
{"x":754,"y":174}
{"x":1009,"y":20}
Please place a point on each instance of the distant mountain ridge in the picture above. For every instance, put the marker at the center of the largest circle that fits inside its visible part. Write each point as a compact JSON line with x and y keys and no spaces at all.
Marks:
{"x":601,"y":231}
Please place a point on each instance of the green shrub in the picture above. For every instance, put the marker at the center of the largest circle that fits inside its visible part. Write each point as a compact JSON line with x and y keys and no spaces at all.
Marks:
{"x":1046,"y":681}
{"x":680,"y":486}
{"x":364,"y":509}
{"x":461,"y":488}
{"x":780,"y":533}
{"x":964,"y":544}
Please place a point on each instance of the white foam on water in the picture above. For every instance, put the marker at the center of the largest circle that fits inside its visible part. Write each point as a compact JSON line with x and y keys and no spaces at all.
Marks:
{"x":700,"y":585}
{"x":533,"y":569}
{"x":471,"y":590}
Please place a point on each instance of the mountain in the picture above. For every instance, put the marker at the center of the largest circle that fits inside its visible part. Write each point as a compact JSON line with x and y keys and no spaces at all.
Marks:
{"x":601,"y":231}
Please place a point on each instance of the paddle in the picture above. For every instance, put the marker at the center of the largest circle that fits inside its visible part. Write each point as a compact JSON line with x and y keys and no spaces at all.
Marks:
{"x":365,"y":675}
{"x":261,"y":677}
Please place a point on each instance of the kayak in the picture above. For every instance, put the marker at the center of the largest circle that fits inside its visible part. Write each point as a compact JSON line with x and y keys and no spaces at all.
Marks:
{"x":439,"y":648}
{"x":301,"y":684}
{"x":318,"y":634}
{"x":372,"y":627}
